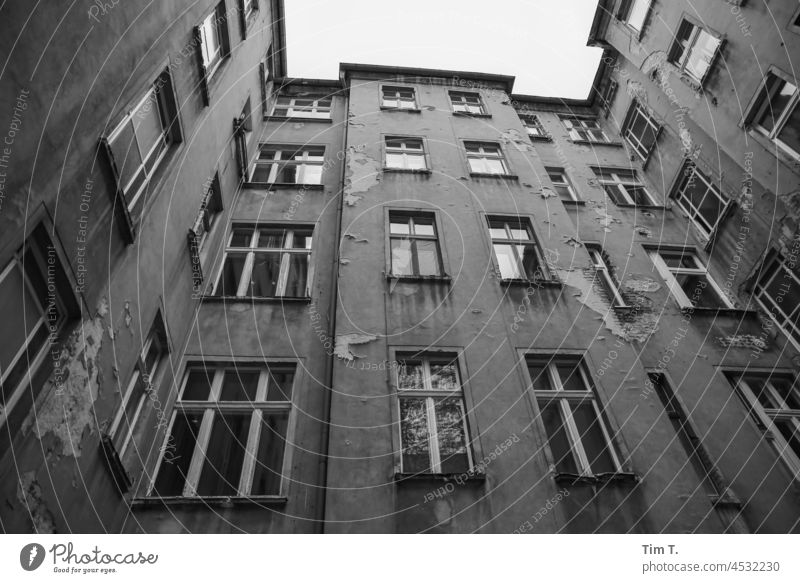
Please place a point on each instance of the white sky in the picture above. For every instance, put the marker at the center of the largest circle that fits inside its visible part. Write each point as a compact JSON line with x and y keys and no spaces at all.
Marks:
{"x":541,"y":42}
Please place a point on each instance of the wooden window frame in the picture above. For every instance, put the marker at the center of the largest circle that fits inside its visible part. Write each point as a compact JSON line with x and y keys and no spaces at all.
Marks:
{"x":668,"y":275}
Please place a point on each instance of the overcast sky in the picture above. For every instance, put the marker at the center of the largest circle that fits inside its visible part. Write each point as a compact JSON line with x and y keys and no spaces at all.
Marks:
{"x":541,"y":42}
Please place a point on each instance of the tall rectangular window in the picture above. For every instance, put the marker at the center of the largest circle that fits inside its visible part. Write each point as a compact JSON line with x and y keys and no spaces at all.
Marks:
{"x":467,"y":102}
{"x":228,"y":433}
{"x":778,"y":293}
{"x":533,"y":125}
{"x":562,"y":184}
{"x":579,"y":439}
{"x":774,"y":403}
{"x":608,"y":96}
{"x":584,"y":129}
{"x":289,"y":164}
{"x":640,"y":130}
{"x":213,"y":37}
{"x":434,"y":436}
{"x":515,"y":249}
{"x":777,"y":114}
{"x":688,"y":279}
{"x":623,"y":186}
{"x":414,"y":244}
{"x":634,"y":13}
{"x":405,"y":153}
{"x":316,"y":106}
{"x":694,"y":50}
{"x":701,"y":199}
{"x":398,"y":97}
{"x":266,"y":261}
{"x":210,"y":210}
{"x":485,"y":158}
{"x":605,"y":276}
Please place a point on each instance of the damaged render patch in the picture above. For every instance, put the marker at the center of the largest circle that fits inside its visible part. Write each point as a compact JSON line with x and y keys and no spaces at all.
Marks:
{"x":345,"y":341}
{"x":742,"y":341}
{"x":641,"y":283}
{"x":520,"y":142}
{"x":29,"y":493}
{"x":363,"y":173}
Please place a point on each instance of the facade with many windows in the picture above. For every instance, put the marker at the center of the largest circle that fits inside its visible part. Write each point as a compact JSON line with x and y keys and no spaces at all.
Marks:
{"x":409,"y":300}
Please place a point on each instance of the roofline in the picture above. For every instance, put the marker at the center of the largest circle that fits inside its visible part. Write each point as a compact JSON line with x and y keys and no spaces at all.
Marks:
{"x":603,"y":9}
{"x":279,"y":23}
{"x":308,"y":81}
{"x":506,"y":80}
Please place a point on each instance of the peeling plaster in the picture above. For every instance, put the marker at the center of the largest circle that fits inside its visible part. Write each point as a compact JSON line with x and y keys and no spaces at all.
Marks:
{"x":363,"y":173}
{"x":29,"y":492}
{"x":345,"y":341}
{"x":742,"y":341}
{"x":356,"y":238}
{"x":520,"y":142}
{"x":547,"y":193}
{"x":644,"y":231}
{"x":603,"y":218}
{"x":641,"y":283}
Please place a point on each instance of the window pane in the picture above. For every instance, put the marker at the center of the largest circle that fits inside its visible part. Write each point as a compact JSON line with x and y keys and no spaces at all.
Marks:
{"x":126,"y":157}
{"x":222,"y":467}
{"x":638,"y":194}
{"x":416,"y":161}
{"x":178,"y":454}
{"x":678,"y":259}
{"x":399,"y":226}
{"x":530,"y":261}
{"x":507,"y":262}
{"x":570,"y":376}
{"x":280,"y":385}
{"x":239,"y":385}
{"x":777,"y":103}
{"x":298,"y":275}
{"x":557,"y":437}
{"x":271,"y":238}
{"x":563,"y":192}
{"x":266,"y":270}
{"x":302,"y":240}
{"x":231,"y":274}
{"x":414,"y":436}
{"x":450,"y":434}
{"x":494,"y":166}
{"x":394,"y":160}
{"x":241,"y":237}
{"x":427,"y":257}
{"x":540,"y":378}
{"x":287,"y":173}
{"x":638,"y":13}
{"x":423,"y":226}
{"x":147,"y":125}
{"x":198,"y":385}
{"x":401,"y":257}
{"x":790,"y":133}
{"x":791,"y":434}
{"x":444,"y":377}
{"x":475,"y":164}
{"x":788,"y":391}
{"x":269,"y":460}
{"x":312,"y":174}
{"x":705,"y":47}
{"x":699,"y":291}
{"x":592,"y":438}
{"x":410,"y":375}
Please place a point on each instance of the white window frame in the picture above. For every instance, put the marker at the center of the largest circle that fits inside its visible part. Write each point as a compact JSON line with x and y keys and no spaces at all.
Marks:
{"x":486,"y":151}
{"x":619,"y":180}
{"x":277,"y":161}
{"x":778,"y":264}
{"x":533,"y":126}
{"x":635,"y":141}
{"x":391,"y":97}
{"x":315,"y":110}
{"x":682,"y":60}
{"x":430,"y":395}
{"x":249,"y":7}
{"x":603,"y":270}
{"x":409,"y":218}
{"x":769,"y":87}
{"x":509,"y":240}
{"x":405,"y":151}
{"x":585,"y":129}
{"x":765,"y":418}
{"x":259,"y":408}
{"x":644,"y":11}
{"x":563,"y":182}
{"x":208,"y":216}
{"x":211,"y":31}
{"x":668,"y":275}
{"x":563,"y":398}
{"x":460,"y":103}
{"x":689,"y":173}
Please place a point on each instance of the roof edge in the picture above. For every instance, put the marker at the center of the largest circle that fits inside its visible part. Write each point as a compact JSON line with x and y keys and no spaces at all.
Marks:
{"x":506,"y":80}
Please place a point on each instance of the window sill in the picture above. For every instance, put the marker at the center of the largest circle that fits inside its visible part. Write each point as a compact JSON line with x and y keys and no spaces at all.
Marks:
{"x":576,"y":479}
{"x":217,"y":501}
{"x":297,"y":119}
{"x":540,"y":138}
{"x":739,"y":312}
{"x":407,"y":170}
{"x":465,"y":114}
{"x":531,"y":282}
{"x":257,"y":299}
{"x":406,"y":109}
{"x":574,"y":202}
{"x":419,"y":278}
{"x":643,"y":207}
{"x":488,"y":175}
{"x":283,"y":185}
{"x":591,"y":143}
{"x":468,"y":476}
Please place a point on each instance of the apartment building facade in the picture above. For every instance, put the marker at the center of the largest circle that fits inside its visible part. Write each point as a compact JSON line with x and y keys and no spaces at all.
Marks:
{"x":410,"y":300}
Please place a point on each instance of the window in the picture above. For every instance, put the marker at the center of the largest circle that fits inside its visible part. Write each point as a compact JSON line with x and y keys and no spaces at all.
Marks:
{"x":515,"y":249}
{"x":635,"y":12}
{"x":694,"y":50}
{"x":688,"y":279}
{"x":210,"y":210}
{"x":289,"y":164}
{"x":623,"y":186}
{"x":580,"y":443}
{"x":701,"y":199}
{"x":405,"y":154}
{"x":434,"y":437}
{"x":308,"y":105}
{"x":141,"y":384}
{"x":37,"y":301}
{"x":561,"y":183}
{"x":242,"y":130}
{"x":398,"y":97}
{"x":228,"y":432}
{"x":267,"y":74}
{"x":582,"y":129}
{"x":140,"y":142}
{"x":640,"y":130}
{"x":485,"y":158}
{"x":777,"y":115}
{"x":774,"y":403}
{"x":534,"y":127}
{"x":605,"y":276}
{"x":213,"y":45}
{"x":778,"y":292}
{"x":467,"y":103}
{"x":608,"y":96}
{"x":414,"y":245}
{"x":266,"y":261}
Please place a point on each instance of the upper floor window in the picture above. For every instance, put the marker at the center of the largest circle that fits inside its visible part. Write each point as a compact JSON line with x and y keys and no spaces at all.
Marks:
{"x":249,"y":8}
{"x":214,"y":45}
{"x":485,"y":158}
{"x":583,"y":129}
{"x":604,"y":274}
{"x":777,"y":114}
{"x":701,"y":199}
{"x":640,"y":130}
{"x":434,"y":436}
{"x":608,"y":96}
{"x":210,"y":210}
{"x":515,"y":249}
{"x":778,"y":292}
{"x":688,"y":279}
{"x":623,"y":186}
{"x":310,"y":105}
{"x":289,"y":164}
{"x":534,"y":127}
{"x":635,"y":12}
{"x":467,"y":102}
{"x":694,"y":50}
{"x":562,"y":184}
{"x":228,"y":433}
{"x":398,"y":97}
{"x":414,"y":244}
{"x":579,"y":440}
{"x":774,"y":403}
{"x":266,"y":261}
{"x":405,"y":154}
